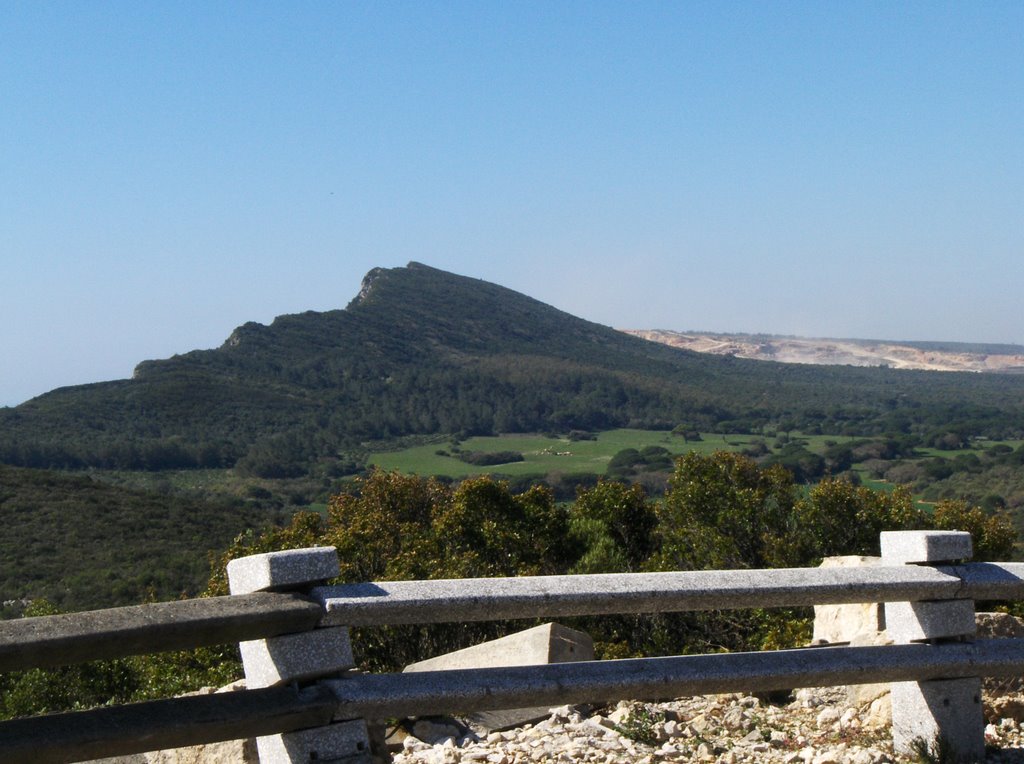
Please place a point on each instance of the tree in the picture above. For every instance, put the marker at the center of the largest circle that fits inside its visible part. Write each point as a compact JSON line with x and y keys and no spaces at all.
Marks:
{"x":379,"y":527}
{"x":725,"y":511}
{"x":838,"y":517}
{"x":616,"y":525}
{"x":486,"y":530}
{"x":992,"y":535}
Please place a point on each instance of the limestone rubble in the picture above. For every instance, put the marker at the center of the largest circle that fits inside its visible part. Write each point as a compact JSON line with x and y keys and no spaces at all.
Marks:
{"x":817,"y":727}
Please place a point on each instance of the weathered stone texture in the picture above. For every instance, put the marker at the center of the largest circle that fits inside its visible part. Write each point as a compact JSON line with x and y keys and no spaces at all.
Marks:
{"x":548,"y":643}
{"x":279,"y":571}
{"x":296,"y":657}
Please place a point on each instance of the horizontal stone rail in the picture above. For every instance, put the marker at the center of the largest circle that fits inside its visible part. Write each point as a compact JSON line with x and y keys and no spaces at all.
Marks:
{"x":486,"y":599}
{"x":61,"y":640}
{"x":179,"y":722}
{"x":304,"y":703}
{"x":163,"y":724}
{"x":102,"y":634}
{"x":460,"y":690}
{"x":989,"y":580}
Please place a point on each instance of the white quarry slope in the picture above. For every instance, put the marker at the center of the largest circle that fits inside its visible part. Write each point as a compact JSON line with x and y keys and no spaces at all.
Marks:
{"x":836,"y":352}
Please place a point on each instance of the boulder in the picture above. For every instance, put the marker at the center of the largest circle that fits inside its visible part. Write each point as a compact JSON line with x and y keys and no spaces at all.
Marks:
{"x":857,"y":624}
{"x":1002,"y":626}
{"x":843,"y":623}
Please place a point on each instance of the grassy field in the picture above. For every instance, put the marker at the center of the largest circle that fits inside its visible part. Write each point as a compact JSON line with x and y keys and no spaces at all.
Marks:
{"x":543,"y":455}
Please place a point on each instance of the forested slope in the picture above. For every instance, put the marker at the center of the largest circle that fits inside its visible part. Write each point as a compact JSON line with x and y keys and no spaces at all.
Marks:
{"x":424,"y":351}
{"x":83,"y":544}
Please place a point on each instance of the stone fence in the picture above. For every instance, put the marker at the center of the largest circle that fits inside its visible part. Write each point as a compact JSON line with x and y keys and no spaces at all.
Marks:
{"x":305,"y":703}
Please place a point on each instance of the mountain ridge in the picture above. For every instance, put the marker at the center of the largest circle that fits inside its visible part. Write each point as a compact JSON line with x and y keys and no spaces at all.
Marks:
{"x":423,"y":351}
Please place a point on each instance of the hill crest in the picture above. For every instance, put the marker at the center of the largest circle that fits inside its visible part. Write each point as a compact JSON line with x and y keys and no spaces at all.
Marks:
{"x":420,"y":351}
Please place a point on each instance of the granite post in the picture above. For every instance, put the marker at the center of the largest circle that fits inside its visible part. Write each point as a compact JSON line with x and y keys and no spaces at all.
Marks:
{"x":296,"y":658}
{"x":938,"y":713}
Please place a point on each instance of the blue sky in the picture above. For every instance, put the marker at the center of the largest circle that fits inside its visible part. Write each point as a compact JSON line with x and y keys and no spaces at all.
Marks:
{"x":169,"y":171}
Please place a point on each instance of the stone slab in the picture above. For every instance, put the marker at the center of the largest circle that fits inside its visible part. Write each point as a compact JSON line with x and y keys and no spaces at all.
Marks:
{"x":917,"y":621}
{"x":277,"y":571}
{"x":58,"y":640}
{"x":950,"y":708}
{"x":227,"y":752}
{"x":296,"y":657}
{"x":339,"y":743}
{"x":548,"y":643}
{"x":859,"y":695}
{"x":925,"y":546}
{"x":490,"y":599}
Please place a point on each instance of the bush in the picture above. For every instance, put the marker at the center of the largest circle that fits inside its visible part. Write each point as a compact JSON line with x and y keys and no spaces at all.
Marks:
{"x":486,"y":459}
{"x":720,"y":511}
{"x":576,"y":435}
{"x":629,"y":462}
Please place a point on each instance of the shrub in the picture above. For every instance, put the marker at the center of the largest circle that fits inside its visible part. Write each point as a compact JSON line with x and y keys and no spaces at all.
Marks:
{"x":485,"y":459}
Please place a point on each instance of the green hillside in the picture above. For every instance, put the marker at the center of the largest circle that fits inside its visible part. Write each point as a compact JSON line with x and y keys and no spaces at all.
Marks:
{"x":279,"y":413}
{"x":83,"y":544}
{"x":421,"y":351}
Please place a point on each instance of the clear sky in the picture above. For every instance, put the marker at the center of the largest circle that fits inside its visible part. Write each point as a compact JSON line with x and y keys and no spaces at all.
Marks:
{"x":170,"y":170}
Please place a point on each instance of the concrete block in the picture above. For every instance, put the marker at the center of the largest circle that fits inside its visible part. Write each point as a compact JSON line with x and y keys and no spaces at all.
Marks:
{"x":925,"y":546}
{"x":278,"y":571}
{"x":916,"y":621}
{"x":295,"y":657}
{"x":341,"y":743}
{"x":947,"y":708}
{"x":548,"y":643}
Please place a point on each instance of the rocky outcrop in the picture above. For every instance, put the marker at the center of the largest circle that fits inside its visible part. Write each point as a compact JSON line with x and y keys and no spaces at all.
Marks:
{"x":848,"y":623}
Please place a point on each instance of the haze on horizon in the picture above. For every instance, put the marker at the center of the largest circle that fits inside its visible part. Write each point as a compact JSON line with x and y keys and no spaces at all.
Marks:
{"x":823,"y":170}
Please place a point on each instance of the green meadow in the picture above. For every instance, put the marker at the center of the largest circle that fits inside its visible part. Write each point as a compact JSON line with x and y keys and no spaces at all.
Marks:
{"x":543,"y":455}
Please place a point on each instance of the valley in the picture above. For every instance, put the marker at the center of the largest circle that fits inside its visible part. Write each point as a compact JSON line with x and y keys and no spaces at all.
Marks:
{"x":433,"y":373}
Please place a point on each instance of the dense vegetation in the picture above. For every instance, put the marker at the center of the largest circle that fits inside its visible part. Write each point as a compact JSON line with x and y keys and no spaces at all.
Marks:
{"x":983,"y":472}
{"x":722,"y":510}
{"x":83,"y":544}
{"x":280,"y":413}
{"x":424,"y":351}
